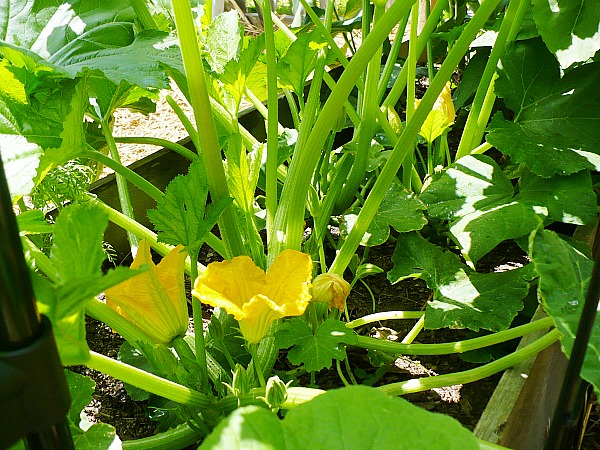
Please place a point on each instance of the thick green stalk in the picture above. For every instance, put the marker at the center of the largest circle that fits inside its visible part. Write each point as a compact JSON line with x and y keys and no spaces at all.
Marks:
{"x":148,"y":382}
{"x":289,"y":221}
{"x":366,"y":129}
{"x":477,"y":119}
{"x":177,"y":148}
{"x":411,"y":63}
{"x":209,"y":143}
{"x":430,"y":24}
{"x":408,"y":136}
{"x":272,"y":120}
{"x":397,"y":348}
{"x":469,"y":376}
{"x":122,"y":188}
{"x":143,"y":14}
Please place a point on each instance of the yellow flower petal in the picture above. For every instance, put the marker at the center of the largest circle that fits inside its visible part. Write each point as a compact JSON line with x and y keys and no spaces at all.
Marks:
{"x":237,"y":280}
{"x":331,"y":288}
{"x":259,"y":313}
{"x":254,"y":298}
{"x":288,"y":281}
{"x":154,"y":301}
{"x":440,"y":117}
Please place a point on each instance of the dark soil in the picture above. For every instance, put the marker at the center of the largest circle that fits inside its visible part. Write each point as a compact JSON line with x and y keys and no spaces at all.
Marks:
{"x":112,"y":405}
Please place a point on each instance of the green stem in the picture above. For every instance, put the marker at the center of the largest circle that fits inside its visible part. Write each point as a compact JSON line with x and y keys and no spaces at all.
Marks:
{"x":430,"y":25}
{"x":366,"y":129}
{"x":140,"y":231}
{"x":272,"y":120}
{"x":177,"y":148}
{"x":453,"y":347}
{"x":209,"y":142}
{"x":102,"y":312}
{"x":198,"y":326}
{"x":143,"y":14}
{"x":289,"y":220}
{"x":257,"y":366}
{"x":391,"y":61}
{"x":176,"y":438}
{"x":473,"y":131}
{"x":408,"y":136}
{"x":147,"y":381}
{"x":414,"y":332}
{"x":185,"y":121}
{"x":388,"y":315}
{"x":124,"y":173}
{"x":122,"y":188}
{"x":260,"y":107}
{"x":469,"y":376}
{"x":482,"y":148}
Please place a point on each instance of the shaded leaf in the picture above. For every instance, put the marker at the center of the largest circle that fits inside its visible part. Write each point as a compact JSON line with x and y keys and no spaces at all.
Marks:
{"x":472,"y":183}
{"x":399,"y":209}
{"x":556,"y":126}
{"x":564,"y":278}
{"x":462,"y":297}
{"x":570,"y":28}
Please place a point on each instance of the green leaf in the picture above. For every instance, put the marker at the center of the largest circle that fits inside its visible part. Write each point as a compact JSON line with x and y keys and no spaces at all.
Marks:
{"x":20,"y":159}
{"x":77,"y":248}
{"x":472,"y":183}
{"x":99,"y":436}
{"x":106,"y":97}
{"x":81,"y":389}
{"x":564,"y":278}
{"x":223,"y":39}
{"x":249,"y":427}
{"x":399,"y":209}
{"x":570,"y":28}
{"x":243,"y":170}
{"x":480,"y":231}
{"x":316,"y":351}
{"x":555,"y":130}
{"x":182,"y":217}
{"x":299,"y":60}
{"x":462,"y":297}
{"x":338,"y":420}
{"x":569,"y":199}
{"x":33,"y":222}
{"x":236,"y":71}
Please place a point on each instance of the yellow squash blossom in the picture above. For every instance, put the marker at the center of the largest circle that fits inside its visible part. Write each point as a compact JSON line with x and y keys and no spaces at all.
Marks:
{"x":440,"y":118}
{"x":255,"y":298}
{"x":331,"y":288}
{"x":154,"y":301}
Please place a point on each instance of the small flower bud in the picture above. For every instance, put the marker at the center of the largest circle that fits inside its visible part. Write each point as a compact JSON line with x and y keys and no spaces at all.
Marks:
{"x":276,"y":392}
{"x":331,"y":288}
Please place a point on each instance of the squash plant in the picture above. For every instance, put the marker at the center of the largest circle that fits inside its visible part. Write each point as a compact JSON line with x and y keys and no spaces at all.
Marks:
{"x":67,"y":67}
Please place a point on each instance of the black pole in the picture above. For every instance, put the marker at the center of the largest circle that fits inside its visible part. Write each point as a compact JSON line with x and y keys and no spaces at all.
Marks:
{"x":33,"y":389}
{"x":570,"y":401}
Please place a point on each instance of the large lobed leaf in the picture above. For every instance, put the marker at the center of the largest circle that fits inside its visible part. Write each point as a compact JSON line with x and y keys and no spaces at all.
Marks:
{"x":564,"y":278}
{"x":315,"y":350}
{"x":556,"y":128}
{"x":462,"y":297}
{"x":355,"y":417}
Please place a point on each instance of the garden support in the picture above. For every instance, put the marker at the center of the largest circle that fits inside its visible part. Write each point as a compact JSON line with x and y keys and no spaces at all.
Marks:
{"x":33,"y":388}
